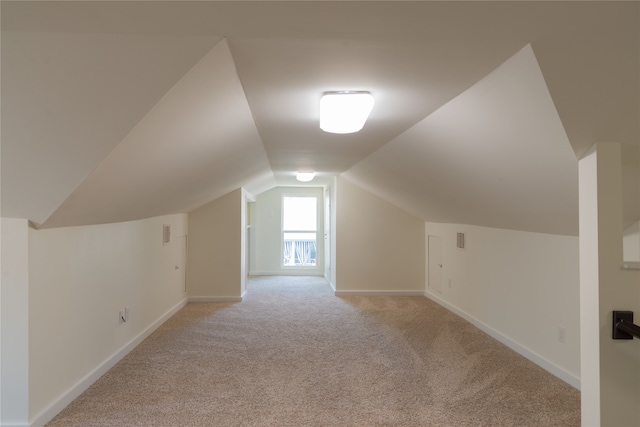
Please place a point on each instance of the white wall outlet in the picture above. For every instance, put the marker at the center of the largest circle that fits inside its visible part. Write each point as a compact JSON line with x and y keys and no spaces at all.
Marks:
{"x":562,"y":334}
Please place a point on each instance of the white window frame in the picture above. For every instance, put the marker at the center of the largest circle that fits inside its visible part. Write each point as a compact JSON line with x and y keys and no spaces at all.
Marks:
{"x":283,"y":231}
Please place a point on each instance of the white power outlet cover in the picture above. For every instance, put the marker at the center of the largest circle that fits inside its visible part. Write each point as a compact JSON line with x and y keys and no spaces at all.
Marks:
{"x":562,"y":334}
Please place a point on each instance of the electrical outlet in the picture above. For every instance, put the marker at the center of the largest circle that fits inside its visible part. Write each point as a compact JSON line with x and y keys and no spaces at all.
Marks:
{"x":562,"y":334}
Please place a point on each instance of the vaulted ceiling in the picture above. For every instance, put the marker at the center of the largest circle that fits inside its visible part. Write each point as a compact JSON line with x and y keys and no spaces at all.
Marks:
{"x":115,"y":111}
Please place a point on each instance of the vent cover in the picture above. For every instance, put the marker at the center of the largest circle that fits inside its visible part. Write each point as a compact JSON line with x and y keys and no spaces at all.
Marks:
{"x":460,"y":241}
{"x":166,"y":234}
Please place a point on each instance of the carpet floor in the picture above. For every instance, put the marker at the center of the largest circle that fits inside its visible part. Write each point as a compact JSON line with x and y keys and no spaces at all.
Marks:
{"x":293,"y":354}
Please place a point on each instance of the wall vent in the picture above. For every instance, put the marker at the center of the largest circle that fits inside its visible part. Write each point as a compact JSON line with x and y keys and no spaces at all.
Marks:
{"x":460,"y":241}
{"x":166,"y":234}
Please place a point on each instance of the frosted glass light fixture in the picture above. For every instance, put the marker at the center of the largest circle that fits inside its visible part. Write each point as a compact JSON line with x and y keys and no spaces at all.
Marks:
{"x":344,"y":112}
{"x":305,"y":176}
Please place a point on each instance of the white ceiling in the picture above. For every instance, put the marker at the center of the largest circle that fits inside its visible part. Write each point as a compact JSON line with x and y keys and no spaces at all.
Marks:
{"x":518,"y":173}
{"x":115,"y":111}
{"x":200,"y":137}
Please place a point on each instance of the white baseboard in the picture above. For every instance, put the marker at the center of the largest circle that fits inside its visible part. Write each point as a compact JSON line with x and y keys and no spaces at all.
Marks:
{"x":565,"y":376}
{"x":214,"y":299}
{"x":380,"y":293}
{"x":76,"y":390}
{"x":292,"y":272}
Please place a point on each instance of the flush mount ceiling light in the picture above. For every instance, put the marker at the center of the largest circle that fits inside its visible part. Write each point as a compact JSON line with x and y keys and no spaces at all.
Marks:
{"x":305,"y":176}
{"x":344,"y":112}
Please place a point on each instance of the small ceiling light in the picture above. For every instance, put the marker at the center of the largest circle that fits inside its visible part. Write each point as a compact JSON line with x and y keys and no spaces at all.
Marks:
{"x":344,"y":112}
{"x":305,"y":176}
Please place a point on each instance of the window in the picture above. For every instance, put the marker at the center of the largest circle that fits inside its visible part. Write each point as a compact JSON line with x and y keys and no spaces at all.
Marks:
{"x":299,"y":231}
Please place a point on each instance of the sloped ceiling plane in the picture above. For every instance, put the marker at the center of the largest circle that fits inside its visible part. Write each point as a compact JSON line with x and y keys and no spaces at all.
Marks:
{"x":115,"y":111}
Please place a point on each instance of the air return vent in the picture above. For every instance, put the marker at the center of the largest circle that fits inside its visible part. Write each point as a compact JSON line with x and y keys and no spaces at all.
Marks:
{"x":166,"y":234}
{"x":460,"y":241}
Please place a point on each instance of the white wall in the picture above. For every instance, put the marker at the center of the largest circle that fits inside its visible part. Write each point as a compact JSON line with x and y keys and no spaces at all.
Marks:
{"x":79,"y":280}
{"x":518,"y":286}
{"x":267,"y":227}
{"x":215,"y":250}
{"x":246,"y":197}
{"x":610,"y":368}
{"x":631,"y":243}
{"x":251,"y":230}
{"x":330,"y":248}
{"x":14,"y":322}
{"x":379,"y":247}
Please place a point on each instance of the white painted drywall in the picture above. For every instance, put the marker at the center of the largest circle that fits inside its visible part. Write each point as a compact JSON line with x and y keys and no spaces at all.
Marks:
{"x":109,"y":81}
{"x":330,"y":251}
{"x":215,"y":249}
{"x":589,"y":290}
{"x":251,"y":230}
{"x":379,"y":247}
{"x":610,"y":368}
{"x":14,"y":323}
{"x":198,"y":143}
{"x":520,"y":285}
{"x":79,"y":280}
{"x":268,"y":232}
{"x":246,"y":197}
{"x":631,"y":243}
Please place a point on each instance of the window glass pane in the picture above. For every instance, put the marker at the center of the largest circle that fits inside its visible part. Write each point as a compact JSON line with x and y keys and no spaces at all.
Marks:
{"x":299,"y":220}
{"x":299,"y":214}
{"x":299,"y":250}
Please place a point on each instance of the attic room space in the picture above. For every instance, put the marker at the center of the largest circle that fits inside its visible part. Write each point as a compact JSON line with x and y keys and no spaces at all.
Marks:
{"x":146,"y":161}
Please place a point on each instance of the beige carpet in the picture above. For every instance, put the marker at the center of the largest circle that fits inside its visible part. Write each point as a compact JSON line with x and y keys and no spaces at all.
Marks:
{"x":293,"y":354}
